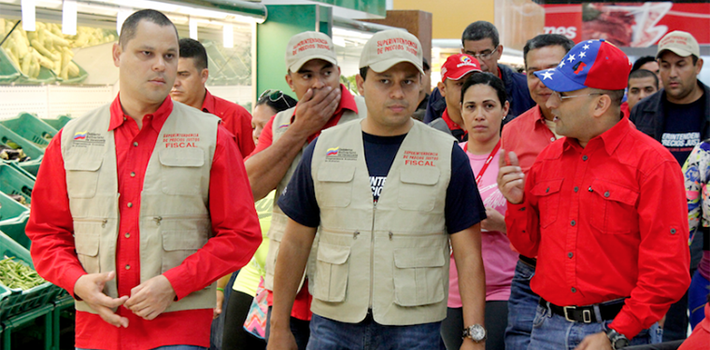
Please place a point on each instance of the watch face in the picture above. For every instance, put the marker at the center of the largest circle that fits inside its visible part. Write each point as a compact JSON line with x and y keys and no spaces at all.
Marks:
{"x":477,"y":332}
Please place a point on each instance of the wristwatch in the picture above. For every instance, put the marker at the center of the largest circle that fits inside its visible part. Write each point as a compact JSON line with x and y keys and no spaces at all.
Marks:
{"x":618,"y":340}
{"x":476,"y":332}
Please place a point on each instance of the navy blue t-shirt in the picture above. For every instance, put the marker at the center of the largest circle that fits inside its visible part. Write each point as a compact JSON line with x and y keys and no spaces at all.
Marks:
{"x":464,"y":207}
{"x":681,"y":131}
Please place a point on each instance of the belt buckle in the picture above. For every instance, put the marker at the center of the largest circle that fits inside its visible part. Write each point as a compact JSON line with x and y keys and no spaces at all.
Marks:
{"x":586,"y":314}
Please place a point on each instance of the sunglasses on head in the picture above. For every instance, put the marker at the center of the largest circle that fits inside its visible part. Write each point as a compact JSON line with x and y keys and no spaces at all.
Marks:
{"x":274,"y":95}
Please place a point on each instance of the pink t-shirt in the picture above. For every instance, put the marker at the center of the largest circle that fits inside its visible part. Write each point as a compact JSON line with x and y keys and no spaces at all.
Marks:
{"x":498,"y":259}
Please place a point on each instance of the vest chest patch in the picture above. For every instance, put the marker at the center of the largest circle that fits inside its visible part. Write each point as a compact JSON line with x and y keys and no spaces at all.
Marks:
{"x":180,"y":140}
{"x":420,"y":158}
{"x":338,"y":154}
{"x":87,"y":139}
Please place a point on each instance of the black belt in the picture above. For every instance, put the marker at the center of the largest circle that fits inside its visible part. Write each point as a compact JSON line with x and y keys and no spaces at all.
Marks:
{"x":529,"y":261}
{"x":585,"y":314}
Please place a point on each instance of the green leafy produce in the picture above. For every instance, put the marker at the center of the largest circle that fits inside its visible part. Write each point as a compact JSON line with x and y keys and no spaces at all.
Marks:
{"x":17,"y":275}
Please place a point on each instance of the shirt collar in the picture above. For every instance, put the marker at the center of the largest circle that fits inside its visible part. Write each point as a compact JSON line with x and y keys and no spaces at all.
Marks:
{"x":539,"y":118}
{"x":208,"y":104}
{"x":609,"y":139}
{"x":450,"y":123}
{"x":118,"y":117}
{"x":347,"y":101}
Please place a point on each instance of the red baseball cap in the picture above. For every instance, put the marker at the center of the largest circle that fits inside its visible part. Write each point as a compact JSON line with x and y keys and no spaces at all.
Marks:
{"x":458,"y":65}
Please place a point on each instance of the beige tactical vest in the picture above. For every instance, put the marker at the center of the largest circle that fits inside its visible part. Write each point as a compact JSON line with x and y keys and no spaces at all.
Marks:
{"x":174,"y":218}
{"x":281,"y":123}
{"x":393,"y":256}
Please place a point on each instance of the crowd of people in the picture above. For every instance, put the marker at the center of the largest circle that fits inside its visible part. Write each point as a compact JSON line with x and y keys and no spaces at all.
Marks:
{"x":562,"y":208}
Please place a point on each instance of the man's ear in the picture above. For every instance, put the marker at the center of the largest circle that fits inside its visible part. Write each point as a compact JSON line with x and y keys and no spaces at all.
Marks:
{"x":602,"y":106}
{"x":116,"y":54}
{"x":442,"y":89}
{"x":204,"y":75}
{"x":360,"y":82}
{"x":289,"y":81}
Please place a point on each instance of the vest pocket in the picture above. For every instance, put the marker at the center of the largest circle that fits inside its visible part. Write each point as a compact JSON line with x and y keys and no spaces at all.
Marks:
{"x":331,"y":279}
{"x":87,"y":235}
{"x":419,"y":276}
{"x":548,"y":200}
{"x":182,"y":170}
{"x":82,"y":175}
{"x":179,"y":244}
{"x":417,"y":190}
{"x":336,"y":185}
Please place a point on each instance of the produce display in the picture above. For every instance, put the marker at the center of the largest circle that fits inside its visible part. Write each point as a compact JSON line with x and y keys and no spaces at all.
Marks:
{"x":48,"y":47}
{"x":17,"y":275}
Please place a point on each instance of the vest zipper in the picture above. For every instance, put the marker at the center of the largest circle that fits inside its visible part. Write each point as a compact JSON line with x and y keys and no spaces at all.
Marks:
{"x":372,"y":256}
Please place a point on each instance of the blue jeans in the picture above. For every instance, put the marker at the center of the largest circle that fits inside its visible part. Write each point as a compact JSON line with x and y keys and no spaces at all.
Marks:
{"x":328,"y":334}
{"x":553,"y":332}
{"x":697,"y":297}
{"x":521,"y":308}
{"x":171,"y":347}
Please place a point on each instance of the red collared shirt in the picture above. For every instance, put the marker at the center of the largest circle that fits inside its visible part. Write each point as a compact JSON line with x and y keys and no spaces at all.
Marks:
{"x":527,"y":135}
{"x":347,"y":101}
{"x":302,"y":304}
{"x":606,"y":221}
{"x":234,"y":222}
{"x":235,"y":118}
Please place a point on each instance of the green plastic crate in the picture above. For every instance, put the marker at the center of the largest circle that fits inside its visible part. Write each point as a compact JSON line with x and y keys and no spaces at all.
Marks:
{"x":21,"y":301}
{"x":31,"y":128}
{"x":46,"y":76}
{"x":19,"y":166}
{"x":59,"y":122}
{"x":14,"y":181}
{"x":8,"y":71}
{"x":8,"y":136}
{"x":30,"y":330}
{"x":15,"y":228}
{"x":31,"y":167}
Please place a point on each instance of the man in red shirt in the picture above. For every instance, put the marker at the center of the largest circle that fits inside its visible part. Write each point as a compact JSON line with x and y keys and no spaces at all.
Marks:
{"x":527,"y":135}
{"x":611,"y":247}
{"x":454,"y":72}
{"x":189,"y":88}
{"x":313,"y":74}
{"x":140,"y":205}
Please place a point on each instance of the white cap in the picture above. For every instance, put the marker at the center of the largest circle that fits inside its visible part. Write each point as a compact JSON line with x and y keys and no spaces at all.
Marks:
{"x":389,"y":47}
{"x":681,"y":43}
{"x":307,"y":46}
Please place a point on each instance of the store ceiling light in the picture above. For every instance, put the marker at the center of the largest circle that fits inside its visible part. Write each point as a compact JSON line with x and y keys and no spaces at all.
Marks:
{"x":228,"y":36}
{"x":193,"y":28}
{"x":69,"y":17}
{"x":28,"y":15}
{"x":121,"y":17}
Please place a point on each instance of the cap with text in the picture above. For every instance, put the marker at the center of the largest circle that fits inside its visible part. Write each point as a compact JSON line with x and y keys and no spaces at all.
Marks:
{"x":681,"y":43}
{"x":307,"y":46}
{"x":596,"y":64}
{"x":389,"y":47}
{"x":458,"y":65}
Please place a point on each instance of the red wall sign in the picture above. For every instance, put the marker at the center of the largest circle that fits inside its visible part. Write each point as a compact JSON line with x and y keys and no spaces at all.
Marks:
{"x":628,"y":24}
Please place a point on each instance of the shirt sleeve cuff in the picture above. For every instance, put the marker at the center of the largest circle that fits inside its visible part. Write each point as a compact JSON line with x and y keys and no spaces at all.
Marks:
{"x":626,"y":324}
{"x":69,"y":279}
{"x":181,"y":286}
{"x":517,"y":211}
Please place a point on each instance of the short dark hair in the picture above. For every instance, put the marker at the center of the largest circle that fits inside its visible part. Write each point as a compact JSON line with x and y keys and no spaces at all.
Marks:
{"x":425,"y":64}
{"x":191,"y":48}
{"x":695,"y":58}
{"x":130,"y":25}
{"x":545,"y":40}
{"x":486,"y":79}
{"x":641,"y":61}
{"x":644,"y":73}
{"x":281,"y":104}
{"x":480,"y":30}
{"x":363,"y":72}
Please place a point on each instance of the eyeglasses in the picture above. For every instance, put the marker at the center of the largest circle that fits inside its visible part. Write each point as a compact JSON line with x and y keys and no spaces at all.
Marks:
{"x":274,"y":95}
{"x":562,"y":98}
{"x":481,"y":56}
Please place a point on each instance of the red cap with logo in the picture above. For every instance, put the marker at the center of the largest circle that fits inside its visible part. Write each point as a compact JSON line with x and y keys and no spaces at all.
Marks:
{"x":458,"y":65}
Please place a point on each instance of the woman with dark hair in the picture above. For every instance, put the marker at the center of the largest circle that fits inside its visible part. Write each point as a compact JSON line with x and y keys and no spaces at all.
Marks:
{"x":245,"y":286}
{"x":484,"y":105}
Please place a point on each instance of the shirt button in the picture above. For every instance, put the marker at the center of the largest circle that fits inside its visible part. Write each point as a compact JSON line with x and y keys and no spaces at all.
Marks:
{"x":576,"y":188}
{"x":584,"y":157}
{"x":574,"y":290}
{"x":124,"y":119}
{"x":573,"y":223}
{"x":552,"y":139}
{"x":128,"y":267}
{"x":128,"y":235}
{"x":547,"y":190}
{"x":589,"y":189}
{"x":570,"y":255}
{"x":130,"y":205}
{"x":673,"y":231}
{"x":133,"y":174}
{"x":135,"y":144}
{"x":606,"y":194}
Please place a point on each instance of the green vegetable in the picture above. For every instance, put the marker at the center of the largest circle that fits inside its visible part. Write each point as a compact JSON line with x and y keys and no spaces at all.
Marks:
{"x":17,"y":275}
